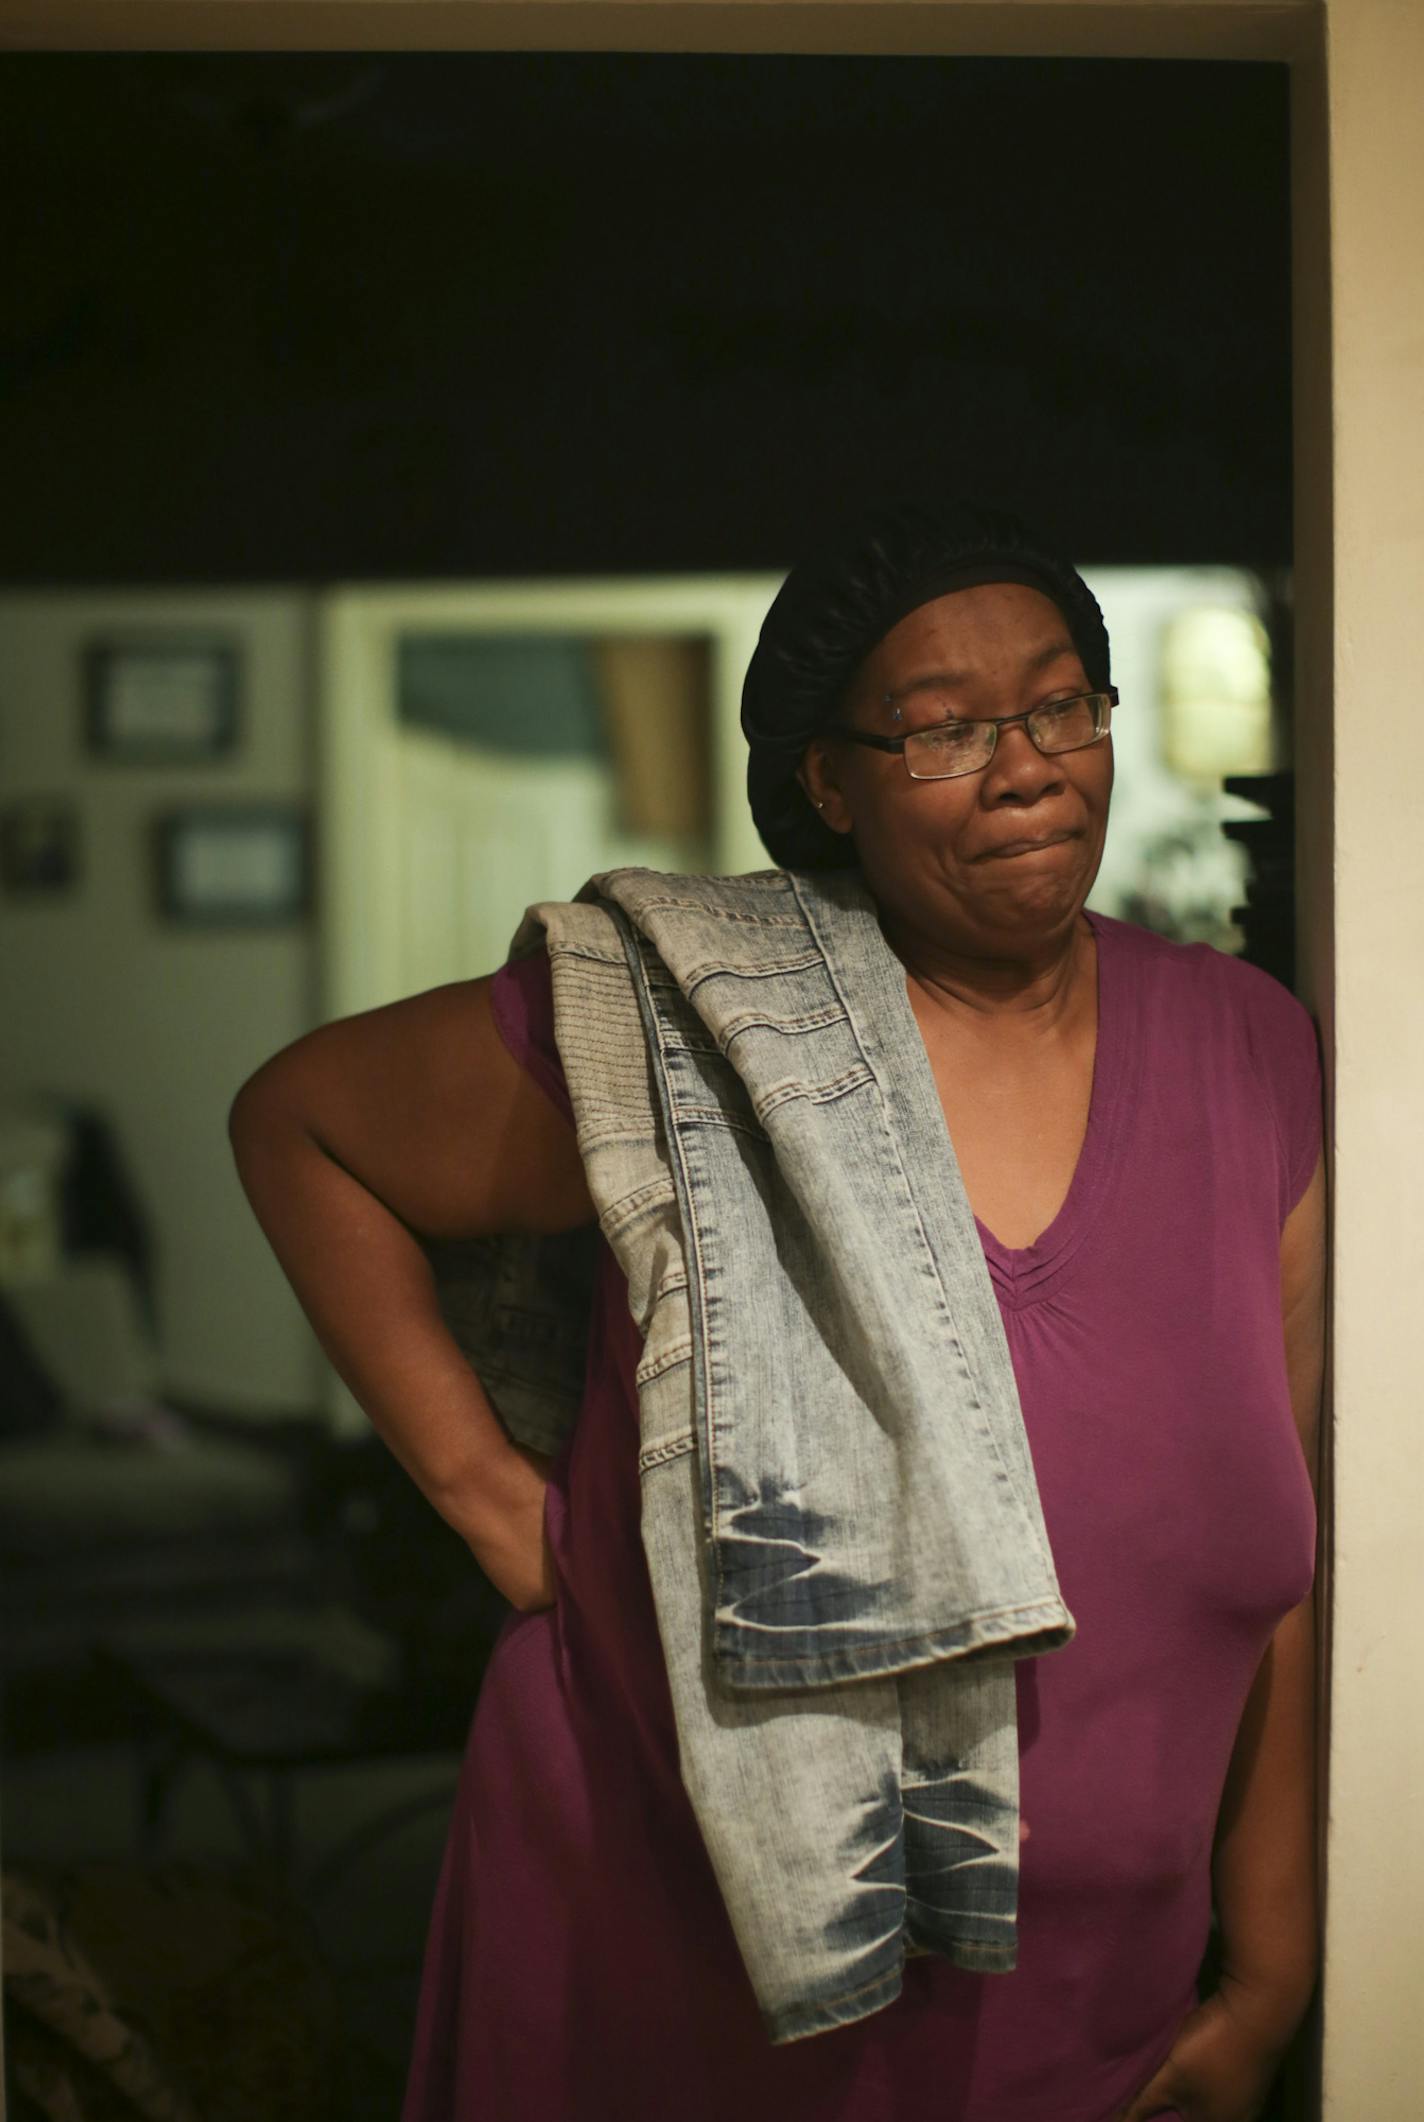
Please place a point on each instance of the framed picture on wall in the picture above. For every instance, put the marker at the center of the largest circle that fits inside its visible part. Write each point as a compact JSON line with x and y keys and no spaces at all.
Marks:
{"x":39,"y":847}
{"x":163,"y":700}
{"x":233,"y":865}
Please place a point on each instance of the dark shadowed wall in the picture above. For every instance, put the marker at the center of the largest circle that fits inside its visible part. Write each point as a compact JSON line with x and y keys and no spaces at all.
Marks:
{"x":298,"y":317}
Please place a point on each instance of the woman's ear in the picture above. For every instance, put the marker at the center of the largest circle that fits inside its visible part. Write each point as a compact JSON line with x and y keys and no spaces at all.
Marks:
{"x":823,"y":792}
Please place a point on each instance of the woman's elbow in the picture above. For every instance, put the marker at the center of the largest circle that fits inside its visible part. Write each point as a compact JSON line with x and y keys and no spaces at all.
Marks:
{"x":263,"y":1101}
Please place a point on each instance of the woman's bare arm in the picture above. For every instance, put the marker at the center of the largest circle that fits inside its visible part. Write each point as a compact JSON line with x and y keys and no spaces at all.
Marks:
{"x":353,"y":1143}
{"x":1264,"y":1862}
{"x":1229,"y":2048}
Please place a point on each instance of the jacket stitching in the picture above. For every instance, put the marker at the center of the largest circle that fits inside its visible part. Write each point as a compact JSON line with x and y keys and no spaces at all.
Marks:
{"x":680,"y":1352}
{"x":662,"y":1454}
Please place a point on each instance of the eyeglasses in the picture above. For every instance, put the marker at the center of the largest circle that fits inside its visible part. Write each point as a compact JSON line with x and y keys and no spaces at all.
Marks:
{"x":959,"y":746}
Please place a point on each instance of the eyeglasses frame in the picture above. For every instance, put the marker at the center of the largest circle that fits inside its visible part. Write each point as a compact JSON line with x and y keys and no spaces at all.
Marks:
{"x":994,"y":722}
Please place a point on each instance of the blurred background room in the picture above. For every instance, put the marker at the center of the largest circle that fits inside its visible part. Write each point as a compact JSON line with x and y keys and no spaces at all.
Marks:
{"x":400,"y":453}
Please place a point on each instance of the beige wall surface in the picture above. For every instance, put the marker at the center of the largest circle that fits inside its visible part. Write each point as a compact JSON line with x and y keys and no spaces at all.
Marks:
{"x":1374,"y":2048}
{"x":156,"y":1025}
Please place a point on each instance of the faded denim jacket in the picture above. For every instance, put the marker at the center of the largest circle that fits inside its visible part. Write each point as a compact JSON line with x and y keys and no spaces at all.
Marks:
{"x":839,"y":1513}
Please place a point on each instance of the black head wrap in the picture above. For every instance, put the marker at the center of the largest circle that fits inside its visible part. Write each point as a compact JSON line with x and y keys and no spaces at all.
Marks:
{"x":832,"y":610}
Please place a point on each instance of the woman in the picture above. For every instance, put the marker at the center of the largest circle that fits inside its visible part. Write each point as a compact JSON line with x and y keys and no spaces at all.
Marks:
{"x":1137,"y":1128}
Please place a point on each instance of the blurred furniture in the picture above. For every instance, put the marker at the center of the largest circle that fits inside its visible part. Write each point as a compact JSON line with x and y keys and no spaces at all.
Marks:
{"x":116,"y":1507}
{"x":259,"y":1718}
{"x":34,"y":1148}
{"x":180,"y":1994}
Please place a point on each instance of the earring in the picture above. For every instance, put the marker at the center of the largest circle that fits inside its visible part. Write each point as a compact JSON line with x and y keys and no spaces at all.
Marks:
{"x":822,"y":804}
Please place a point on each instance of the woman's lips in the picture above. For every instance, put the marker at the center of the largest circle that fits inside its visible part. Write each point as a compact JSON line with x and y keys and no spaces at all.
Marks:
{"x":1025,"y":847}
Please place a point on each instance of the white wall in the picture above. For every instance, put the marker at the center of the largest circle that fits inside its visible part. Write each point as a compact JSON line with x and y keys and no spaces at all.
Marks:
{"x":1370,"y":347}
{"x":157,"y":1025}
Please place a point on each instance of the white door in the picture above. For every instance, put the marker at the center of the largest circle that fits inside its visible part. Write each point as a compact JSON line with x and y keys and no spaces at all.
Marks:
{"x":430,"y":846}
{"x":481,"y":836}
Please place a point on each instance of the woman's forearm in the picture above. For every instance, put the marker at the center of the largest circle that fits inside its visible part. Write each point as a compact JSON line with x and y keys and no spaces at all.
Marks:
{"x":1264,"y":1863}
{"x":367,"y":1288}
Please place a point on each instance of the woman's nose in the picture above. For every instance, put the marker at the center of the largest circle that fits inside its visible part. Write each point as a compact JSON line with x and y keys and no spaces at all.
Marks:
{"x":1019,"y":768}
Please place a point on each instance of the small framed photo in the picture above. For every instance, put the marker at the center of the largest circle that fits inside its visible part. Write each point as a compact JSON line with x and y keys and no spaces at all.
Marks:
{"x":39,"y":847}
{"x":161,"y":701}
{"x":237,"y":865}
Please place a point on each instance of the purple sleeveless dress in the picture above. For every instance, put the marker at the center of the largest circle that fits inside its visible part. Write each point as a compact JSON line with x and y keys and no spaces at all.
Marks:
{"x":580,"y":1965}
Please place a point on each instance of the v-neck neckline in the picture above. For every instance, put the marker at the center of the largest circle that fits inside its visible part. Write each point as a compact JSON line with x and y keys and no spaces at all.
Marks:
{"x":1024,"y":1273}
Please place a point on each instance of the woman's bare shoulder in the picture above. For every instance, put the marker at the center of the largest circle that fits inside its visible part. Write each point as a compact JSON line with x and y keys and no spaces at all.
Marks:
{"x":422,"y":1101}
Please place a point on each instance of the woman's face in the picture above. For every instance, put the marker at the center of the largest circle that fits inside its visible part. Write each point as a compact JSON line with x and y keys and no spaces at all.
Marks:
{"x":995,"y":863}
